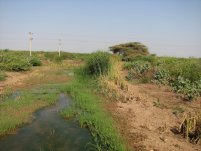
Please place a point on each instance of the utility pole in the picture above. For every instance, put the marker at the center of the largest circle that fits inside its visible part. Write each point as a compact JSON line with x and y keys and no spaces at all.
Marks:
{"x":30,"y":42}
{"x":59,"y":47}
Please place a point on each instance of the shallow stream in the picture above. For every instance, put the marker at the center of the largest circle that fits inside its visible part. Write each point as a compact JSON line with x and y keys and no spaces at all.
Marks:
{"x":48,"y":132}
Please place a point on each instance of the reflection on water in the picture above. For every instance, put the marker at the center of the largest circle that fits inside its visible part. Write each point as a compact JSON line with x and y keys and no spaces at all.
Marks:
{"x":48,"y":132}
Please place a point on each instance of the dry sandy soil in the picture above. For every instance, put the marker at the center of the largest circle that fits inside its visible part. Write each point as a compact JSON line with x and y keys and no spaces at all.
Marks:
{"x":147,"y":123}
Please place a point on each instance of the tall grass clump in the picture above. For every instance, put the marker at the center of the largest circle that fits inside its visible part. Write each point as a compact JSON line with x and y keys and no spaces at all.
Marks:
{"x":98,"y":63}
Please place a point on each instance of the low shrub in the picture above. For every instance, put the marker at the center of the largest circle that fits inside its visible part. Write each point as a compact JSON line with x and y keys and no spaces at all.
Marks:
{"x":18,"y":65}
{"x":35,"y":61}
{"x":14,"y":61}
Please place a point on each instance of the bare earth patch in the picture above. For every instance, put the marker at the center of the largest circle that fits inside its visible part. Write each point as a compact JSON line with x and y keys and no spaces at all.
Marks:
{"x":147,"y":123}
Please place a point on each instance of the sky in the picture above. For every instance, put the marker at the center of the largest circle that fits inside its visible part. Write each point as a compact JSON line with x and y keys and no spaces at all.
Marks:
{"x":166,"y":27}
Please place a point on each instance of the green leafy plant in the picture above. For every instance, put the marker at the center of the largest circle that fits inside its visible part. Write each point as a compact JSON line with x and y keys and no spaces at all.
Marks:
{"x":161,"y":77}
{"x":184,"y":86}
{"x":137,"y":70}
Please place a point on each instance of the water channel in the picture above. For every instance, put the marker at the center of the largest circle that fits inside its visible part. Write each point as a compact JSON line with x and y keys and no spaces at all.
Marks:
{"x":48,"y":132}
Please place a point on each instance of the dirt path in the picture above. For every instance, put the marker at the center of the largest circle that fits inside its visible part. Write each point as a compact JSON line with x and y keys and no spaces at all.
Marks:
{"x":147,"y":123}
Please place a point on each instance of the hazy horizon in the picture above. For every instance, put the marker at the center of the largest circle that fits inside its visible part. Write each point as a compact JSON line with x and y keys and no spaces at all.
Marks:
{"x":167,"y":28}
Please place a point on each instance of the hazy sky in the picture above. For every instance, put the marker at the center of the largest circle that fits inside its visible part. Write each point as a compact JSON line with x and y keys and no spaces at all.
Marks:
{"x":167,"y":27}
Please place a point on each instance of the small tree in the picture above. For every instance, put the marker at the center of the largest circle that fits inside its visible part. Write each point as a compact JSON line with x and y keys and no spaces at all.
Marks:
{"x":129,"y":50}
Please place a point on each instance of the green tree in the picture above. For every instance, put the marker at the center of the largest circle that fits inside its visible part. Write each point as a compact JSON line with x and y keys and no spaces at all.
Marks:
{"x":130,"y":50}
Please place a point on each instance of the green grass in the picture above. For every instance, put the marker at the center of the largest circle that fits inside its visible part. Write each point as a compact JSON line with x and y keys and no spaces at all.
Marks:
{"x":88,"y":108}
{"x":14,"y":112}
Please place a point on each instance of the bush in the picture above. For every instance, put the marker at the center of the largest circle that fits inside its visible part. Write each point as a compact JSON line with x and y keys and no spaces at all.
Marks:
{"x":35,"y":61}
{"x":98,"y":63}
{"x":18,"y":65}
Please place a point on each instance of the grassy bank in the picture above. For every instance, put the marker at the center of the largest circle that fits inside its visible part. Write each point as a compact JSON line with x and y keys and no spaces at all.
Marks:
{"x":88,"y":109}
